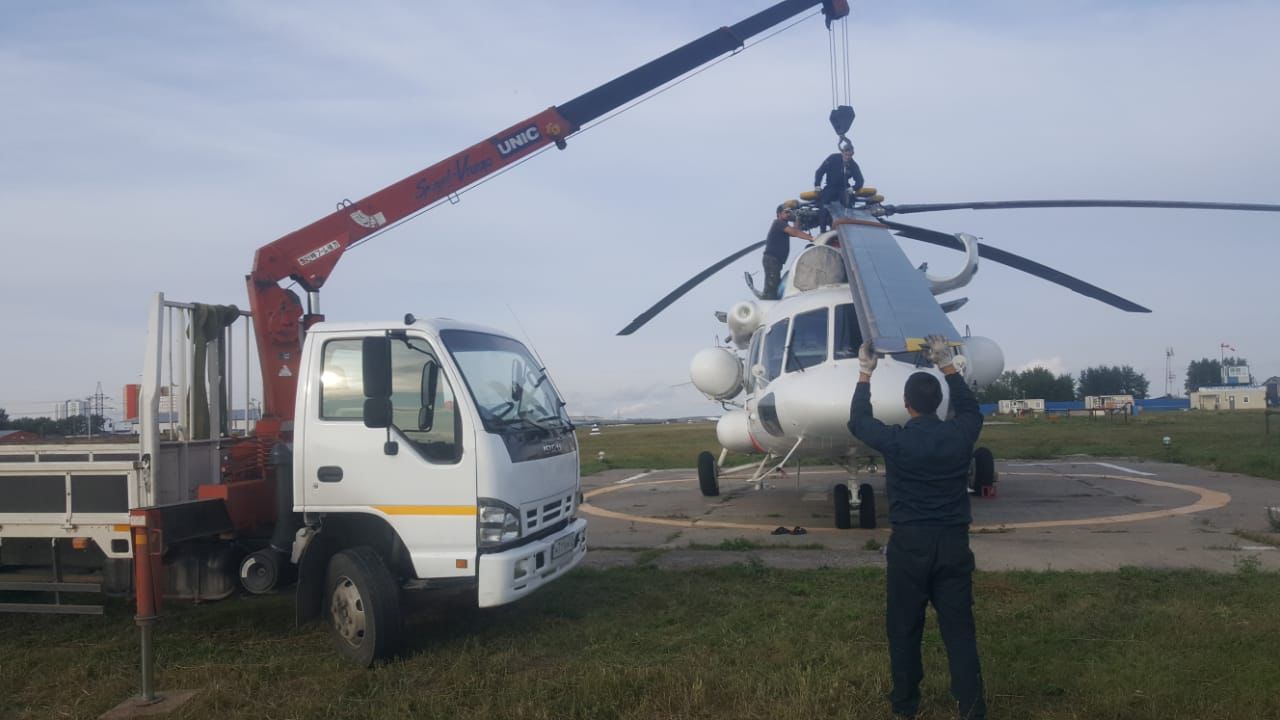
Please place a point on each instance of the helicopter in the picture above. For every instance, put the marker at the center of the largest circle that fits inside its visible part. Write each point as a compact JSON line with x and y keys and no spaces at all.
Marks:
{"x":788,"y":369}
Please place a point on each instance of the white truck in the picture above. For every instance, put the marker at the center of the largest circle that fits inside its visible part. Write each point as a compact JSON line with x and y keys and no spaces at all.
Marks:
{"x":425,"y":454}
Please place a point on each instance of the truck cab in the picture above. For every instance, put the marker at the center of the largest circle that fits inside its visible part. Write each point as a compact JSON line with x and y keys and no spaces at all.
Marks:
{"x":443,"y":448}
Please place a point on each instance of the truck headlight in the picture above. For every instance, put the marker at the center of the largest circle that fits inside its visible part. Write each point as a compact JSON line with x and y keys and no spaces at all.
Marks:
{"x":499,"y":523}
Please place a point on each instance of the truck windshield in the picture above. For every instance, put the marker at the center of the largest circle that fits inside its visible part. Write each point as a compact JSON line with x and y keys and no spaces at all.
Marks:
{"x":510,"y":389}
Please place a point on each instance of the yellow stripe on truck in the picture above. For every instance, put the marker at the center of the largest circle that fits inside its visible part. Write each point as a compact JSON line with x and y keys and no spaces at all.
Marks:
{"x":426,"y":509}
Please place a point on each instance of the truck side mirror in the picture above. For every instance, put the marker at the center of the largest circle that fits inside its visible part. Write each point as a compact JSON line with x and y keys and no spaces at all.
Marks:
{"x":375,"y":372}
{"x":427,"y":409}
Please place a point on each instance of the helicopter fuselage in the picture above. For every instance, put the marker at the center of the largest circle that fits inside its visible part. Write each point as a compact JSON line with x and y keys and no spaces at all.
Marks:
{"x":792,"y":389}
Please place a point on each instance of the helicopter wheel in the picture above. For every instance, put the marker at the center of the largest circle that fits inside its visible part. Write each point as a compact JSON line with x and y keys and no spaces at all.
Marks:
{"x":708,"y":480}
{"x":984,"y":471}
{"x":841,"y":498}
{"x":866,"y":507}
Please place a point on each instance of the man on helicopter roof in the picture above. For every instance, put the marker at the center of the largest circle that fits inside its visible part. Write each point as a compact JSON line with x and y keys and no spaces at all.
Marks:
{"x":777,"y":246}
{"x":839,"y":169}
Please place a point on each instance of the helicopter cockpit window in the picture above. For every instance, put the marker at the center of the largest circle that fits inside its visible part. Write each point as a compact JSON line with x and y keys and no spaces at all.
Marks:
{"x":775,"y":343}
{"x":848,"y":338}
{"x":808,"y":340}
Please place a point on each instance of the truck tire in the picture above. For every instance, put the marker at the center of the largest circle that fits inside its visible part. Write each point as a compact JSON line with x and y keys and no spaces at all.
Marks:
{"x":984,"y":470}
{"x":363,"y":606}
{"x":708,"y":474}
{"x":840,"y":497}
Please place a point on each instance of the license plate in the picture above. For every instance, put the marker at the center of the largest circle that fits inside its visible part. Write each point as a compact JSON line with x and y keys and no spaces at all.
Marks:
{"x":563,"y":545}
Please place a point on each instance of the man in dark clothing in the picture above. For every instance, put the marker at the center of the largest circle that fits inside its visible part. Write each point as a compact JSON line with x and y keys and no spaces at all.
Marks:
{"x":839,"y":169}
{"x":777,"y":246}
{"x":926,"y":475}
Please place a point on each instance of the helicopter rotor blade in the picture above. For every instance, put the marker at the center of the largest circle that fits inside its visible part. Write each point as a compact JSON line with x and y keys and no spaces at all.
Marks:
{"x":1018,"y":262}
{"x":688,"y":285}
{"x":1019,"y":204}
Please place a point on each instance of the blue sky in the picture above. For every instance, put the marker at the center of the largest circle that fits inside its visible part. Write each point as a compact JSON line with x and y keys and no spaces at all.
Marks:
{"x":155,"y":146}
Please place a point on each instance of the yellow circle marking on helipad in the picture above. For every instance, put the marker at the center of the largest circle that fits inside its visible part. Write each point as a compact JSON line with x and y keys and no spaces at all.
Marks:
{"x":1208,"y":500}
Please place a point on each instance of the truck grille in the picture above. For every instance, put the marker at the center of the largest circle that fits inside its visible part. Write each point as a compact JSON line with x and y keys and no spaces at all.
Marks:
{"x":546,"y":512}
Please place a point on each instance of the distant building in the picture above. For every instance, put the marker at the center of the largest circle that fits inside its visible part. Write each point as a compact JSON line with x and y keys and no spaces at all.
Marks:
{"x":1021,"y":407}
{"x":1107,"y":402}
{"x":1229,"y":397}
{"x":1236,"y":375}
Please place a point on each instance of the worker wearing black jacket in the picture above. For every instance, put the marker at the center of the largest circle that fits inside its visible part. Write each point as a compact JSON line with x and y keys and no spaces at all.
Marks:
{"x":839,"y":169}
{"x":926,"y":476}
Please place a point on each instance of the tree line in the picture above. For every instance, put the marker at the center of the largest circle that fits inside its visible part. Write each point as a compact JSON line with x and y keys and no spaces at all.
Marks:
{"x":48,"y":427}
{"x":1038,"y":382}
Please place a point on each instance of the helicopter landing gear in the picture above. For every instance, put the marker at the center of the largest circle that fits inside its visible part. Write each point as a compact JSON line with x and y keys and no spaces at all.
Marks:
{"x":866,"y":507}
{"x":708,"y":474}
{"x":984,"y":473}
{"x":845,"y":502}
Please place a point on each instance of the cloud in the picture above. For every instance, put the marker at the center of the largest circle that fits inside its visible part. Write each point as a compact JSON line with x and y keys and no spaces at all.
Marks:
{"x":1053,"y":365}
{"x":156,"y":151}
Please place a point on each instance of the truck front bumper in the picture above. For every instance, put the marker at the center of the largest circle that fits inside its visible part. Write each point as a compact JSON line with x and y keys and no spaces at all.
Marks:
{"x":510,"y":575}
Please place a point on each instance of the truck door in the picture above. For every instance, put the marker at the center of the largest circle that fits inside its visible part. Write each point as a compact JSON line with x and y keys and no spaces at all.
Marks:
{"x":424,"y":482}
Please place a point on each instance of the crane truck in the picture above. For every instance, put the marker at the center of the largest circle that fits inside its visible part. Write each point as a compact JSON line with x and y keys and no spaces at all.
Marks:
{"x":388,"y":457}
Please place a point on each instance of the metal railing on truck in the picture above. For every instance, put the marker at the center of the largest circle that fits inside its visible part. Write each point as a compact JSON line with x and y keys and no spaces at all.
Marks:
{"x":61,"y":500}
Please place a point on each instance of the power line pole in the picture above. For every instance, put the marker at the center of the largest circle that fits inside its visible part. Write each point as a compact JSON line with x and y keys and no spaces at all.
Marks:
{"x":95,"y":405}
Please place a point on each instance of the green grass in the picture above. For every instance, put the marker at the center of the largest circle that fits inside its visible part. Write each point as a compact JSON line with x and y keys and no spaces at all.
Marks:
{"x":1227,"y":442}
{"x":737,"y":642}
{"x":650,"y":447}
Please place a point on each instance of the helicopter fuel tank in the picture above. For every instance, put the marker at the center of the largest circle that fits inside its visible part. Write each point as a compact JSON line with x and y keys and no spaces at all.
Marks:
{"x":983,"y":360}
{"x":717,"y":373}
{"x":733,"y":431}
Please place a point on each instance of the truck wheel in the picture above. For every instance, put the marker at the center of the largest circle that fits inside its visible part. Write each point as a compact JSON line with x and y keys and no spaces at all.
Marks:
{"x":866,"y":507}
{"x":984,"y":470}
{"x":363,"y":606}
{"x":841,"y":498}
{"x":260,"y":571}
{"x":708,"y":479}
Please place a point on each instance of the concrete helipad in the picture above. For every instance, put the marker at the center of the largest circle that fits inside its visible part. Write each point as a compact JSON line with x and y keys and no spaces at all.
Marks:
{"x":1081,"y":514}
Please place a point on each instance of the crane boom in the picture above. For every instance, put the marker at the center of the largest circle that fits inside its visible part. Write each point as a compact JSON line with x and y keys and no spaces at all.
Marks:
{"x":308,"y":255}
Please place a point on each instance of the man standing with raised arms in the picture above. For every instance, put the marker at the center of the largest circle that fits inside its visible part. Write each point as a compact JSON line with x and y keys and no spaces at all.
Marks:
{"x":926,"y":478}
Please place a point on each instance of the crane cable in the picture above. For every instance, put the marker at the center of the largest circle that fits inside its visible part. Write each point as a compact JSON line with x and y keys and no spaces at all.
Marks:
{"x":842,"y":113}
{"x":838,"y":63}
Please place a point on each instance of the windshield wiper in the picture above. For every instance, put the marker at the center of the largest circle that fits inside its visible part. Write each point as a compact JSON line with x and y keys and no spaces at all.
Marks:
{"x":551,"y":422}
